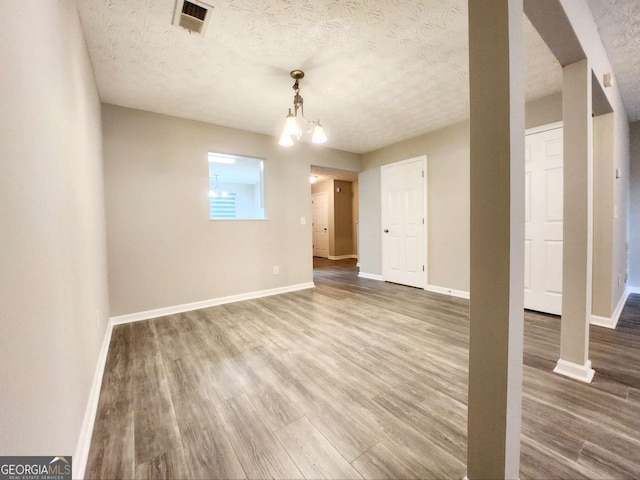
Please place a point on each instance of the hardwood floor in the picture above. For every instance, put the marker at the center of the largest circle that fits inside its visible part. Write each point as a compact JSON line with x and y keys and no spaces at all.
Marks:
{"x":353,"y":379}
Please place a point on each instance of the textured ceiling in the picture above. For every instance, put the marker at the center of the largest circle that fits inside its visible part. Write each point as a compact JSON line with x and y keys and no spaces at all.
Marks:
{"x":331,"y":173}
{"x":619,"y":25}
{"x":377,"y":71}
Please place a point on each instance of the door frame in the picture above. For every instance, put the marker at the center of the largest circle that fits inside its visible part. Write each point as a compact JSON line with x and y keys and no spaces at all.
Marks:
{"x":425,"y":211}
{"x":313,"y":253}
{"x":541,"y":129}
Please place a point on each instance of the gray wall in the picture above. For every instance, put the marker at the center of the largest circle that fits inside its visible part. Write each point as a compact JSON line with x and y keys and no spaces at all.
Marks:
{"x":634,"y":213}
{"x":620,"y":161}
{"x":603,"y":206}
{"x":163,"y":249}
{"x":447,"y":152}
{"x":369,"y":236}
{"x":53,"y":279}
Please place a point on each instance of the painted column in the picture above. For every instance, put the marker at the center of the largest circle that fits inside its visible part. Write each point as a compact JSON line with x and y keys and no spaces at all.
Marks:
{"x":496,"y":77}
{"x":578,"y":228}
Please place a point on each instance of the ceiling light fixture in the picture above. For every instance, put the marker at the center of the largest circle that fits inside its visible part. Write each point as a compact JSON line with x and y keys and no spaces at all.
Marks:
{"x":291,"y":126}
{"x":217,"y":192}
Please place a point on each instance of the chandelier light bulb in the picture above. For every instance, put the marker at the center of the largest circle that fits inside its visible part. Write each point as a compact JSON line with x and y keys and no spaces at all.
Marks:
{"x":291,"y":127}
{"x":318,"y":134}
{"x":285,"y":140}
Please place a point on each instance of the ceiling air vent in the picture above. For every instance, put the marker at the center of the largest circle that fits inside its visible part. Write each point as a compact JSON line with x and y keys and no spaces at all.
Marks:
{"x":194,"y":16}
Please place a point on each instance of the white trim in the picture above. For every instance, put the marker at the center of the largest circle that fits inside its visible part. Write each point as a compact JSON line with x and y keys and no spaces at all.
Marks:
{"x":425,"y":230}
{"x":342,"y":257}
{"x":447,"y":291}
{"x":605,"y":322}
{"x":583,"y":373}
{"x":81,"y":454}
{"x":370,"y":276}
{"x":543,"y":128}
{"x":618,"y":311}
{"x":467,"y":478}
{"x":186,"y":307}
{"x":615,"y":316}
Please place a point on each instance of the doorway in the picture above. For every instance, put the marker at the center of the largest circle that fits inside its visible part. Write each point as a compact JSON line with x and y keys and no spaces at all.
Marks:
{"x":320,"y":225}
{"x":334,"y":197}
{"x":543,"y":219}
{"x":404,"y":248}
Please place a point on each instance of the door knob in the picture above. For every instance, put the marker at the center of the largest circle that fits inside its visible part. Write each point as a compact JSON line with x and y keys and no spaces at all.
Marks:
{"x":386,"y":230}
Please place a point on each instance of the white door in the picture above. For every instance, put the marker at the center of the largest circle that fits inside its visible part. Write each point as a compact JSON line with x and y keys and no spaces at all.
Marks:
{"x":320,"y":225}
{"x":543,"y":221}
{"x":403,"y":222}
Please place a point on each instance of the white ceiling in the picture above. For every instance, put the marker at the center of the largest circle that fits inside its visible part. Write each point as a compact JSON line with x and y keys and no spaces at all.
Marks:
{"x":619,"y":25}
{"x":377,"y":71}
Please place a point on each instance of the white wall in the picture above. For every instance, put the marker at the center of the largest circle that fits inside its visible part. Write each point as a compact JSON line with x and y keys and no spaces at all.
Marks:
{"x":53,"y":280}
{"x":163,"y":249}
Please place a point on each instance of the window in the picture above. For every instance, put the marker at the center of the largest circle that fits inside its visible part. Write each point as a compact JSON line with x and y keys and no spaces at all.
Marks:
{"x":223,"y":206}
{"x":235,"y":187}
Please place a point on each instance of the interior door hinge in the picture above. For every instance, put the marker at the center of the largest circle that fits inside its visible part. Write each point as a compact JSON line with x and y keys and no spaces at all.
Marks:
{"x":422,"y":173}
{"x":423,"y":221}
{"x":423,"y":268}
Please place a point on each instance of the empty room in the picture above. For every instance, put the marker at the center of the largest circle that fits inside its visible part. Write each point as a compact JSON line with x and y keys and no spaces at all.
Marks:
{"x":304,"y":239}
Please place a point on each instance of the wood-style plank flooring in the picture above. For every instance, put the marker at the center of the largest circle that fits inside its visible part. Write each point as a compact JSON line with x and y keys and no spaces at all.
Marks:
{"x":353,"y":379}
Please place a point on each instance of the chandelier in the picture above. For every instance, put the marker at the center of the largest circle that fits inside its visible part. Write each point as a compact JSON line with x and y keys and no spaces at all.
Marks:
{"x":217,"y":192}
{"x":291,"y":127}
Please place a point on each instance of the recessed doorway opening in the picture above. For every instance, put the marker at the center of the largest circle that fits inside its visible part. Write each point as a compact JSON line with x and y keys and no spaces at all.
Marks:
{"x":334,"y":197}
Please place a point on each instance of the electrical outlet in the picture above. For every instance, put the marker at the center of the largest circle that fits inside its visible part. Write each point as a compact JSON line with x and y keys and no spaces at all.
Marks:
{"x":303,"y":221}
{"x":276,"y":270}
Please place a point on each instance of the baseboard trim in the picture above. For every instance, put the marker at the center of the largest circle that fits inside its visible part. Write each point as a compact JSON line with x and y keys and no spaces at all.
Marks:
{"x":447,"y":291}
{"x":620,"y":306}
{"x":370,"y":276}
{"x":612,"y":322}
{"x":162,"y":312}
{"x":583,"y":373}
{"x":81,"y":454}
{"x":342,"y":257}
{"x":605,"y":322}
